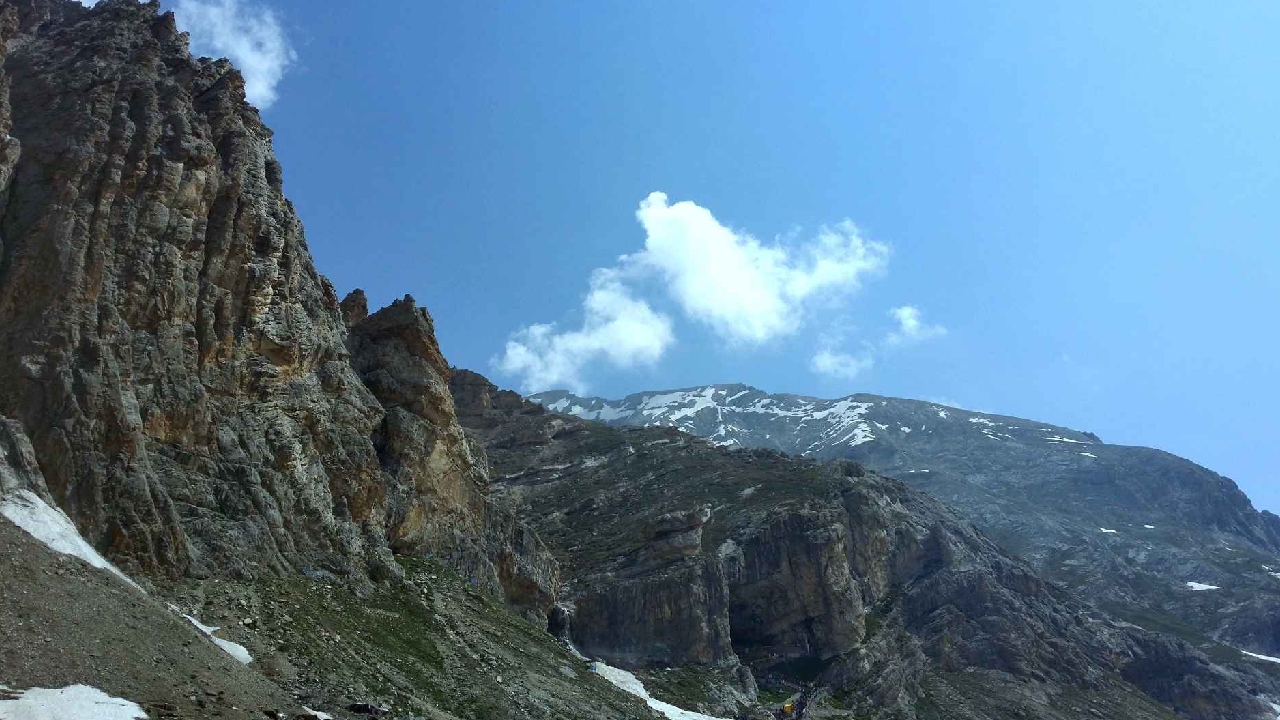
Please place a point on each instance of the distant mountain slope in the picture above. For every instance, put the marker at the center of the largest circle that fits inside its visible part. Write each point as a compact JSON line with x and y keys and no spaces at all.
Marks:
{"x":870,"y":598}
{"x":1129,"y":527}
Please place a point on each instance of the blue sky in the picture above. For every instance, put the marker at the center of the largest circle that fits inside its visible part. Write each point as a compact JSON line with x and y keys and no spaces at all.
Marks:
{"x":1065,"y":211}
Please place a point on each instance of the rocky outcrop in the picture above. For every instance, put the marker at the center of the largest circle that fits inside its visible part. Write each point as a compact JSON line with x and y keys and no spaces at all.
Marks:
{"x":792,"y":588}
{"x":677,"y":552}
{"x":475,"y":396}
{"x":1044,"y":492}
{"x":177,"y":360}
{"x":198,"y":400}
{"x":434,"y":488}
{"x":672,"y":616}
{"x":18,"y":467}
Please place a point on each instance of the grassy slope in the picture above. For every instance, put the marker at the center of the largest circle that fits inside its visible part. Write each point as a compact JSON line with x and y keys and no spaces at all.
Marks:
{"x":435,"y":647}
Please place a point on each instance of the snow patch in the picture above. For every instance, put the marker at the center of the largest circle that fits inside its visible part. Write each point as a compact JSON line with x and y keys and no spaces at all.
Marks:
{"x":628,"y":682}
{"x":317,"y":713}
{"x":74,"y":702}
{"x":235,"y":650}
{"x":1202,"y":586}
{"x":904,"y":429}
{"x":1107,"y":531}
{"x":1058,"y":438}
{"x":700,"y":402}
{"x":1268,"y":658}
{"x":1088,"y":454}
{"x":941,"y":413}
{"x":654,"y":404}
{"x":1149,"y":527}
{"x":53,"y":528}
{"x":982,"y":421}
{"x":844,"y":415}
{"x":609,"y":412}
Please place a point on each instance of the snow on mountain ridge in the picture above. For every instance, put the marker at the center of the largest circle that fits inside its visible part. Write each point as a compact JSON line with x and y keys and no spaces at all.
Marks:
{"x":745,"y":416}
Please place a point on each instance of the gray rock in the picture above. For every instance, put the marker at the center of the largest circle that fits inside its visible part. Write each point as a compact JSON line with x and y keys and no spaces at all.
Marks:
{"x":1042,"y":491}
{"x":19,"y":469}
{"x":877,"y":596}
{"x":184,"y":373}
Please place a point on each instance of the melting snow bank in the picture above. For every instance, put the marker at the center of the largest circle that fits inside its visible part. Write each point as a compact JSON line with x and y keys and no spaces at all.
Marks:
{"x":1268,"y":658}
{"x":630,"y":683}
{"x":1202,"y":586}
{"x":75,"y":702}
{"x":53,"y":528}
{"x":235,"y":650}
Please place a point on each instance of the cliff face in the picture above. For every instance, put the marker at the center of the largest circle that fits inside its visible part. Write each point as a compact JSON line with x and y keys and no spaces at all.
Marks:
{"x":675,"y":551}
{"x":1043,"y":491}
{"x":188,"y":381}
{"x":434,"y":488}
{"x":177,"y":359}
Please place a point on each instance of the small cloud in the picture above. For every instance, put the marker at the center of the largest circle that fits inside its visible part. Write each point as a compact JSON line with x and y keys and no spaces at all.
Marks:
{"x":911,"y":327}
{"x":840,"y":365}
{"x":616,"y":327}
{"x":248,"y":34}
{"x":745,"y":290}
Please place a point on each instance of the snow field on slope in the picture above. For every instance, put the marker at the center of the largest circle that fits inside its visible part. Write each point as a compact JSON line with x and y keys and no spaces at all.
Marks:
{"x":53,"y":528}
{"x":628,"y":682}
{"x":74,"y":702}
{"x":1201,"y":586}
{"x":235,"y":650}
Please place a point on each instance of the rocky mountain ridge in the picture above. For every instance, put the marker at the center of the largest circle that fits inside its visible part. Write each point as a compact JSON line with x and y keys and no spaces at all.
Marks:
{"x":226,"y":493}
{"x":1133,"y":528}
{"x":809,"y":569}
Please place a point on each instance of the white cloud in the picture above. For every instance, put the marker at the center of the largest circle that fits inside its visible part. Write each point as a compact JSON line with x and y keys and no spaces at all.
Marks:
{"x":745,"y":290}
{"x":616,"y":327}
{"x":911,"y":327}
{"x":249,"y":35}
{"x":828,"y":361}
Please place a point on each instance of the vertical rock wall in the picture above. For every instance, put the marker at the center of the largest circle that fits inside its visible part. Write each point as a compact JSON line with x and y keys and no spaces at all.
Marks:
{"x":182,"y":369}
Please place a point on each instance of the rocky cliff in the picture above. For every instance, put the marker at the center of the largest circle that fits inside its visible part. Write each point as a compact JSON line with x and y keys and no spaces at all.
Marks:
{"x":1131,"y":528}
{"x":822,"y":572}
{"x":179,"y":380}
{"x":194,"y":396}
{"x":374,"y":532}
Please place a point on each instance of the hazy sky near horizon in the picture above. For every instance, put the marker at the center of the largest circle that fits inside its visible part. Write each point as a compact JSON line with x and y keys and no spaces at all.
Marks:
{"x":1065,"y":211}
